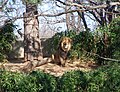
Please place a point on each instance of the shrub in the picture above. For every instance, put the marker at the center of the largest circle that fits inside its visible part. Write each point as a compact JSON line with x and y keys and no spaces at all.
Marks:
{"x":103,"y":79}
{"x":112,"y":84}
{"x":46,"y":81}
{"x":96,"y":81}
{"x":74,"y":81}
{"x":16,"y":82}
{"x":7,"y":37}
{"x":114,"y":28}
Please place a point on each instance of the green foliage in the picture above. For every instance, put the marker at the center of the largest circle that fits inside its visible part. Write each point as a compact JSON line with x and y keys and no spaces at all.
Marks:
{"x":16,"y":82}
{"x":7,"y":37}
{"x":113,"y":78}
{"x":96,"y":81}
{"x":105,"y":42}
{"x":33,"y":1}
{"x":46,"y":81}
{"x":83,"y":42}
{"x":74,"y":81}
{"x":114,"y":28}
{"x":34,"y":82}
{"x":103,"y":79}
{"x":109,"y":46}
{"x":108,"y":40}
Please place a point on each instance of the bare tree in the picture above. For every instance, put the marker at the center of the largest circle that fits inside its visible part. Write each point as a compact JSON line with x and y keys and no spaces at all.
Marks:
{"x":32,"y":44}
{"x":70,"y":18}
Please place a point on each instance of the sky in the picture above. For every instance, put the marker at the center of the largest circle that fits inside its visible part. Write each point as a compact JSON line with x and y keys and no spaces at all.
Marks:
{"x":44,"y":8}
{"x":17,"y":12}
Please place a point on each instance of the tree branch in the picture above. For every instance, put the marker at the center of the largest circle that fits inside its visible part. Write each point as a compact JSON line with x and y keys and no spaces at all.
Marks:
{"x":3,"y":4}
{"x":83,"y":18}
{"x":96,"y":17}
{"x":88,"y":7}
{"x":101,"y":57}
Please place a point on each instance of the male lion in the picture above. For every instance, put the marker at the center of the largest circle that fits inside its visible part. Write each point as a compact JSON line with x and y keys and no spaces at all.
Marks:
{"x":61,"y":54}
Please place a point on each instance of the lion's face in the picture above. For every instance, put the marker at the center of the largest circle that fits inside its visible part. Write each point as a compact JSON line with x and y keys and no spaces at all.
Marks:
{"x":66,"y":44}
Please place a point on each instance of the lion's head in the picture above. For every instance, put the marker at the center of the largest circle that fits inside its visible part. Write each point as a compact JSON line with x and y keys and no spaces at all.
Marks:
{"x":65,"y":43}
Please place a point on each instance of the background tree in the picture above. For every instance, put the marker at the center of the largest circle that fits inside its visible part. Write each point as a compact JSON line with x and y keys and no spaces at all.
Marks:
{"x":70,"y":18}
{"x":32,"y":43}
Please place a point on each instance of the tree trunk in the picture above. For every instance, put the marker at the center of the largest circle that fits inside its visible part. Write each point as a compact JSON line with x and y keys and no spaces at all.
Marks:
{"x":70,"y":18}
{"x":32,"y":43}
{"x":73,"y":22}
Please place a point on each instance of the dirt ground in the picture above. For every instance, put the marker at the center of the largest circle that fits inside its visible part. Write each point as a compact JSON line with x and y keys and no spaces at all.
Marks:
{"x":56,"y":70}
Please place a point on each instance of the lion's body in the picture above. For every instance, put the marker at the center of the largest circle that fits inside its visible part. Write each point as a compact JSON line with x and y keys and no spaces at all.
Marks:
{"x":61,"y":54}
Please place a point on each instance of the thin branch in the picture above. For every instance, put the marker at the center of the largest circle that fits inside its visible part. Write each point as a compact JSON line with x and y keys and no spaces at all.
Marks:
{"x":50,"y":15}
{"x":86,"y":8}
{"x":101,"y":57}
{"x":108,"y":59}
{"x":3,"y":4}
{"x":90,"y":16}
{"x":83,"y":18}
{"x":96,"y":17}
{"x":92,"y":2}
{"x":89,"y":7}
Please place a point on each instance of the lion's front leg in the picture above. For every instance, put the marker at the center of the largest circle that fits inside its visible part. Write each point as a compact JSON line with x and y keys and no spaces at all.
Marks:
{"x":62,"y":61}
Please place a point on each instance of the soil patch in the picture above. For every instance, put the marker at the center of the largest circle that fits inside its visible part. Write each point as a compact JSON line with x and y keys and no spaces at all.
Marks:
{"x":50,"y":68}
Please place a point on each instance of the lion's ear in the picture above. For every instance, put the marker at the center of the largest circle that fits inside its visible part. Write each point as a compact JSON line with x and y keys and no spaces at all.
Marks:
{"x":61,"y":39}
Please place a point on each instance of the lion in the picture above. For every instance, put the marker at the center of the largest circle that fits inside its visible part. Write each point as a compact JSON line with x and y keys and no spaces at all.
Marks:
{"x":61,"y":54}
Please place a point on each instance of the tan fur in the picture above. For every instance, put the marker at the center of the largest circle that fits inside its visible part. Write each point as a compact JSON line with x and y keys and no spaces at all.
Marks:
{"x":61,"y":54}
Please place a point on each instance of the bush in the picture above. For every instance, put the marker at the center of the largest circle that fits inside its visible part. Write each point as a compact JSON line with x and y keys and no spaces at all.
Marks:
{"x":16,"y":82}
{"x":96,"y":81}
{"x":7,"y":37}
{"x":74,"y":81}
{"x":112,"y":83}
{"x":46,"y":81}
{"x":115,"y":38}
{"x":105,"y":42}
{"x":103,"y":79}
